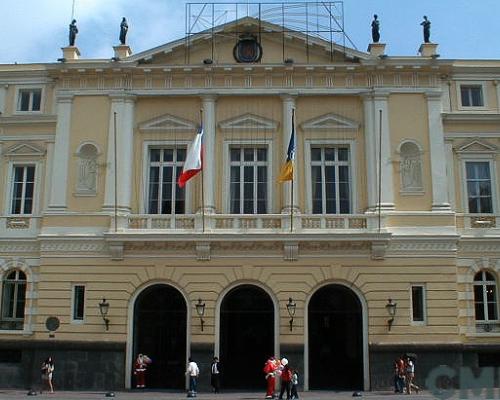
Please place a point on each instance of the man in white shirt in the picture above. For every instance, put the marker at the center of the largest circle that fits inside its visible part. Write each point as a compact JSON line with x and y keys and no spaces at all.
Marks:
{"x":192,"y":371}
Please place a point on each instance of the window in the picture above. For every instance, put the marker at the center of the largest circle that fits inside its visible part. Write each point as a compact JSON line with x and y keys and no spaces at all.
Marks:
{"x":479,"y":190}
{"x":23,"y":184}
{"x":13,"y":300}
{"x":249,"y":179}
{"x":485,"y":296}
{"x":29,"y":100}
{"x":330,"y":180}
{"x":471,"y":95}
{"x":165,"y":167}
{"x":78,"y":302}
{"x":418,"y":303}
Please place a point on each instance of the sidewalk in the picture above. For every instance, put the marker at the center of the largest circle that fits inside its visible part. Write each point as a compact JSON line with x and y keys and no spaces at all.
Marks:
{"x":164,"y":395}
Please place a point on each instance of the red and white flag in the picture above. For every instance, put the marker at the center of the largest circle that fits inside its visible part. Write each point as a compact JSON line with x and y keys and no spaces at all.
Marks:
{"x":194,"y":160}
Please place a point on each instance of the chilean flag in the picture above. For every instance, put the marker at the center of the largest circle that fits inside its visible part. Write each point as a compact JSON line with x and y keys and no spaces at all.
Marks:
{"x":194,"y":158}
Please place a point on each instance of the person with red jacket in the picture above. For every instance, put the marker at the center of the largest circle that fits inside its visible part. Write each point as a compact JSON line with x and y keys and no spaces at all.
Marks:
{"x":286,"y":379}
{"x":140,"y":366}
{"x":270,"y":369}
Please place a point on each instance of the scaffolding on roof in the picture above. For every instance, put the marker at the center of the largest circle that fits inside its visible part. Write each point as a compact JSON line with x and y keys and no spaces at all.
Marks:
{"x":322,"y":19}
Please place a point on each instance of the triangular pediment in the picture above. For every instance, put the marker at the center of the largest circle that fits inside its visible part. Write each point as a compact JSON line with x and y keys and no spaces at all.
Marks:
{"x":329,"y":122}
{"x":477,"y":146}
{"x":193,"y":48}
{"x":168,"y":123}
{"x":24,"y":149}
{"x":249,"y":122}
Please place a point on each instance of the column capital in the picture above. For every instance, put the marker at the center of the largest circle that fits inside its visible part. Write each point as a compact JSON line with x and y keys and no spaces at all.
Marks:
{"x":65,"y":98}
{"x":208,"y":98}
{"x":119,"y":97}
{"x":434,"y":95}
{"x":289,"y":97}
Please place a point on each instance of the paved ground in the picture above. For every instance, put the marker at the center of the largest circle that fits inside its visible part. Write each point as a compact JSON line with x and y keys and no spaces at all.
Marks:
{"x":313,"y":395}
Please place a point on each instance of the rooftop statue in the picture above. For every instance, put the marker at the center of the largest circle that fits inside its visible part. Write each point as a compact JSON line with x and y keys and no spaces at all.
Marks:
{"x":427,"y":29}
{"x":73,"y":30}
{"x":375,"y":29}
{"x":123,"y":30}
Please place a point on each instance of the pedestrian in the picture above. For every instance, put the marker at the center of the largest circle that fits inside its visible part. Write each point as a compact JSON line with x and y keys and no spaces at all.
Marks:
{"x":286,"y":379}
{"x":295,"y":382}
{"x":270,"y":369}
{"x":192,"y":371}
{"x":410,"y":375}
{"x":140,"y":368}
{"x":47,"y":371}
{"x":215,"y":375}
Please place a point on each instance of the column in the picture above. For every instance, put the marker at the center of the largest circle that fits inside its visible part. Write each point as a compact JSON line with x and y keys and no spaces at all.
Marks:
{"x":437,"y":153}
{"x":3,"y":94}
{"x":124,"y":106}
{"x":376,"y":128}
{"x":48,"y":175}
{"x":59,"y":179}
{"x":209,"y":165}
{"x":450,"y":174}
{"x":288,"y":107}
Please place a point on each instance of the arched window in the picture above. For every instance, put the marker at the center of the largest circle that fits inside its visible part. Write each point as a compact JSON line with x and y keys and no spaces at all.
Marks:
{"x":485,"y":296}
{"x":13,"y":300}
{"x":87,"y":169}
{"x":410,"y":167}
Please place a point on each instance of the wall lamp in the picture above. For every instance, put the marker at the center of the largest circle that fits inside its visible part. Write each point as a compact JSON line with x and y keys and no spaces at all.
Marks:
{"x":200,"y":310}
{"x":391,"y":310}
{"x":291,"y":306}
{"x":104,"y":308}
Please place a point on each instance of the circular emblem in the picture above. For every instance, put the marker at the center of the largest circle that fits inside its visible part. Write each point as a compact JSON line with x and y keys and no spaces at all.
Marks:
{"x":247,"y":50}
{"x":52,"y":323}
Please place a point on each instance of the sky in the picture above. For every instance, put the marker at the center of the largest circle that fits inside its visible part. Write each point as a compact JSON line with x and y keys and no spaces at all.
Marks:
{"x":34,"y":31}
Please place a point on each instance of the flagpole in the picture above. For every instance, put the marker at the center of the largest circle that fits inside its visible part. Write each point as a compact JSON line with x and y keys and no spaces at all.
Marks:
{"x":293,"y":173}
{"x":202,"y":185}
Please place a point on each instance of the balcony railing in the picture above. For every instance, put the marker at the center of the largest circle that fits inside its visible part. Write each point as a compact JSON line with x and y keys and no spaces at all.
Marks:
{"x":478,"y":221}
{"x":264,"y":223}
{"x":19,"y":226}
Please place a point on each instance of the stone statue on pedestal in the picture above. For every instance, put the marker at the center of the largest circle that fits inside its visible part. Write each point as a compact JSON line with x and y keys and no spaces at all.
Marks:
{"x":427,"y":29}
{"x":73,"y":30}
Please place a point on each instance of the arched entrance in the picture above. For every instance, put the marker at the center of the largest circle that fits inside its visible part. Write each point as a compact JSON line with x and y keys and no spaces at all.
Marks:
{"x":160,"y":318}
{"x":246,"y":336}
{"x":335,"y":331}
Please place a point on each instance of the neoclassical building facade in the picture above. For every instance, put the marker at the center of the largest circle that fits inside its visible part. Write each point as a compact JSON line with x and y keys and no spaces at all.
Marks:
{"x":388,"y":242}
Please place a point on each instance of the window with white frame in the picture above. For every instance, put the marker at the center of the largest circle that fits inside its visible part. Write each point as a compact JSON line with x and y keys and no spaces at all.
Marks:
{"x":29,"y":99}
{"x":13,"y":300}
{"x":479,"y":186}
{"x":330,"y":179}
{"x":164,"y":195}
{"x":78,"y":309}
{"x":23,"y":186}
{"x":485,"y":296}
{"x":418,"y":305}
{"x":248,"y":184}
{"x":471,"y":95}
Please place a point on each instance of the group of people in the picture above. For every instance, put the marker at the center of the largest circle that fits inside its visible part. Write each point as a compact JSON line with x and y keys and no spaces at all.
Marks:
{"x":193,"y":372}
{"x":404,"y":375}
{"x":275,"y":368}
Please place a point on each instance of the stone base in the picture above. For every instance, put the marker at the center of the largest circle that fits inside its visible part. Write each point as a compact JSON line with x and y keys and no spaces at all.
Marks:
{"x":70,"y":53}
{"x":428,"y":49}
{"x":376,"y":49}
{"x":122,"y":51}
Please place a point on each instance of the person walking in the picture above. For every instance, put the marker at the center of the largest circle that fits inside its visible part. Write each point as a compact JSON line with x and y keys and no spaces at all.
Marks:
{"x":192,"y":371}
{"x":295,"y":382}
{"x":47,"y":370}
{"x":286,"y":379}
{"x":410,"y":375}
{"x":215,"y":369}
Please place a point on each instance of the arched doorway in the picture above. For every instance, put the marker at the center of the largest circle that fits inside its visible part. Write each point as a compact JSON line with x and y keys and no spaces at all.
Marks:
{"x":335,"y":331}
{"x":246,"y":336}
{"x":160,"y":321}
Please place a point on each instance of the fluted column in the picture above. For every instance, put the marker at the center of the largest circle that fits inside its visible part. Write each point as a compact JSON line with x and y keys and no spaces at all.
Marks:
{"x":123,"y":106}
{"x":376,"y":112}
{"x":440,"y":199}
{"x":208,"y":104}
{"x":59,"y":178}
{"x":288,"y":107}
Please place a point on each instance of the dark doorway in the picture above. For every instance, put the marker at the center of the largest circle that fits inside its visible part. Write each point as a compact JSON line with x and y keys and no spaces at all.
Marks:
{"x":246,"y":336}
{"x":335,"y":339}
{"x":160,"y":332}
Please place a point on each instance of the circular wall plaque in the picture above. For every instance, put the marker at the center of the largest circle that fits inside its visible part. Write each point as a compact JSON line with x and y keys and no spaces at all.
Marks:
{"x":52,"y":323}
{"x":247,"y":50}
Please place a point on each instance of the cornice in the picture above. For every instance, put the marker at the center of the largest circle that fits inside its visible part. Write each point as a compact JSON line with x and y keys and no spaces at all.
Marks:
{"x":472,"y":117}
{"x":28,"y":119}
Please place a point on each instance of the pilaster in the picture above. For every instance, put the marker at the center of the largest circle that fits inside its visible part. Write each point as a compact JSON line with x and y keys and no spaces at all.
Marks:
{"x":123,"y":105}
{"x":440,"y":200}
{"x":59,"y":175}
{"x":3,"y":94}
{"x":288,"y":107}
{"x":208,"y":104}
